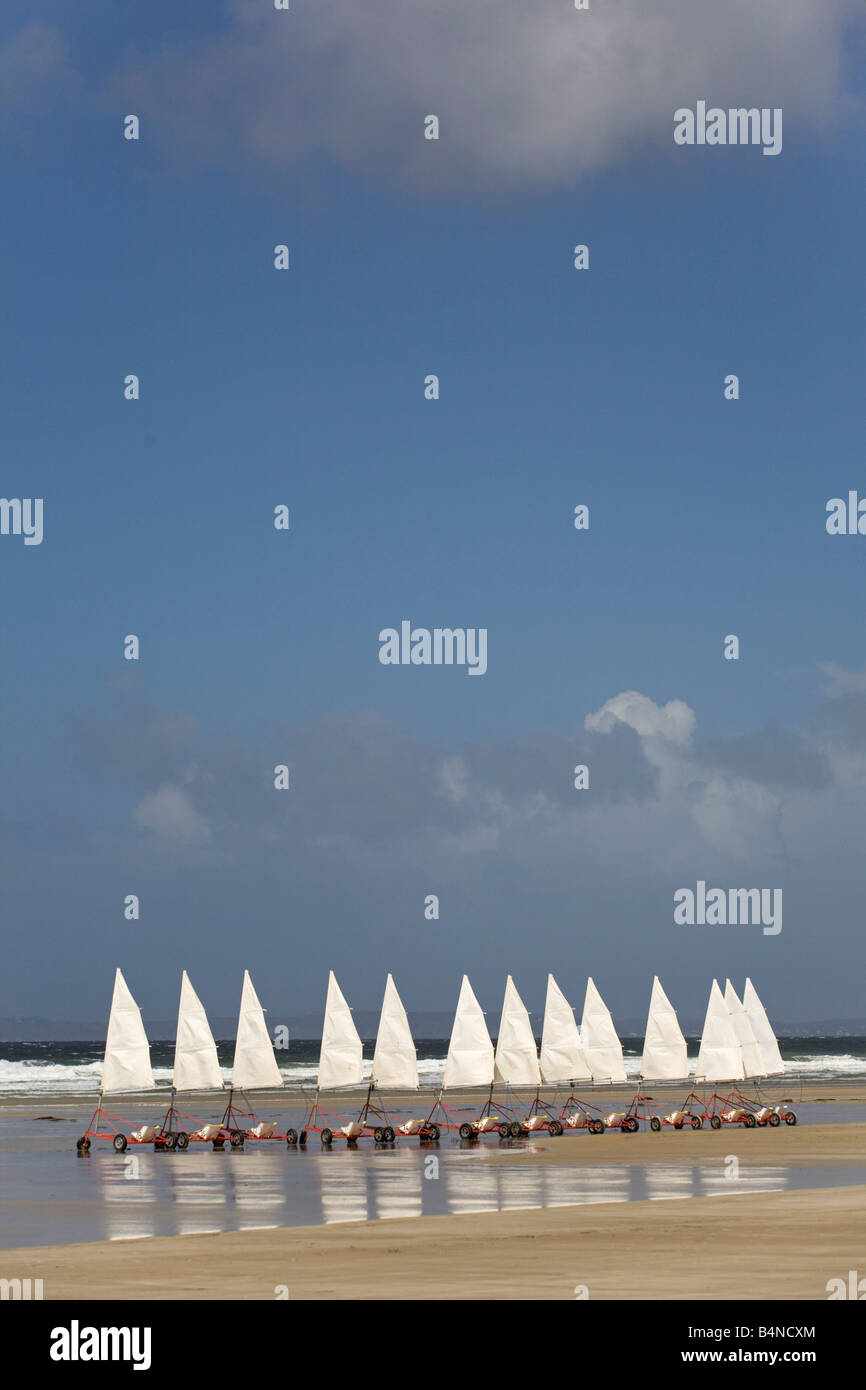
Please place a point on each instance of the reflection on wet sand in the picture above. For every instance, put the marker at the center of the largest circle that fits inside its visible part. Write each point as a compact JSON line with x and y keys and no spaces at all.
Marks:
{"x":134,"y":1196}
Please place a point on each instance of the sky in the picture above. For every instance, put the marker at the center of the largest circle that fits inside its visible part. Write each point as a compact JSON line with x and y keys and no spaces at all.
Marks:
{"x":305,"y":387}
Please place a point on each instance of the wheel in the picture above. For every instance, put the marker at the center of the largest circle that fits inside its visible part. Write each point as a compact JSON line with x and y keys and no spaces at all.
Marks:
{"x":83,"y":1144}
{"x":696,"y":1121}
{"x":633,"y":1125}
{"x":237,"y":1139}
{"x":790,"y":1117}
{"x":218,"y":1145}
{"x":171,"y":1142}
{"x":389,"y":1136}
{"x":555,"y":1128}
{"x":466,"y":1131}
{"x":503,"y":1131}
{"x":378,"y":1134}
{"x":678,"y":1124}
{"x":291,"y":1136}
{"x":749,"y":1121}
{"x":596,"y":1127}
{"x":183,"y":1140}
{"x":715,"y":1122}
{"x":327,"y":1136}
{"x":655,"y":1123}
{"x":433,"y":1132}
{"x":119,"y":1142}
{"x":773,"y":1120}
{"x":515,"y":1130}
{"x":302,"y":1137}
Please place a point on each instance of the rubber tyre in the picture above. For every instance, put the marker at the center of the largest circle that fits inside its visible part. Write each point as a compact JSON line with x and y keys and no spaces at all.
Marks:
{"x":237,"y":1139}
{"x":715,"y":1122}
{"x":466,"y":1131}
{"x":389,"y":1136}
{"x":327,"y":1136}
{"x":515,"y":1130}
{"x":655,"y":1124}
{"x":119,"y":1143}
{"x":556,"y":1128}
{"x":171,"y":1142}
{"x":596,"y":1127}
{"x":634,"y":1126}
{"x":773,"y":1120}
{"x":749,"y":1121}
{"x":378,"y":1134}
{"x":678,"y":1124}
{"x":218,"y":1145}
{"x":302,"y":1137}
{"x":291,"y":1136}
{"x":433,"y":1132}
{"x":790,"y":1117}
{"x":83,"y":1144}
{"x":697,"y":1122}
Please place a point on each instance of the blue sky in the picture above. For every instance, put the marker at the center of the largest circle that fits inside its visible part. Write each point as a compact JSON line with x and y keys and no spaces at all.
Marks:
{"x":306,"y":387}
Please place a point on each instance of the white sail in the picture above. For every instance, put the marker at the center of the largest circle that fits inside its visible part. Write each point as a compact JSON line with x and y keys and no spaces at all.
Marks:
{"x":562,"y":1056}
{"x":516,"y":1061}
{"x":601,"y":1045}
{"x":753,"y":1060}
{"x":720,"y":1057}
{"x":395,"y":1062}
{"x":255,"y":1065}
{"x":196,"y":1065}
{"x":773,"y":1064}
{"x":127,"y":1051}
{"x":470,"y":1051}
{"x":340,"y":1060}
{"x":665,"y":1052}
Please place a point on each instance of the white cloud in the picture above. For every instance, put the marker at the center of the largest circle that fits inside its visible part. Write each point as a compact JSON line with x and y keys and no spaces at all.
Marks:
{"x":170,"y":814}
{"x":842,"y":682}
{"x":674,"y":722}
{"x":528,"y":92}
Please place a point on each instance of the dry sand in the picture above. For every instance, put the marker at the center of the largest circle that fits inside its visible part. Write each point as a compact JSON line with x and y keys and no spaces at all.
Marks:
{"x":784,"y":1245}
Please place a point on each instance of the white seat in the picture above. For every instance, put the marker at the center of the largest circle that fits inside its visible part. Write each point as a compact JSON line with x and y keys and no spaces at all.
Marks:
{"x":263,"y":1130}
{"x":208,"y":1132}
{"x":536,"y":1122}
{"x":352,"y":1129}
{"x":145,"y":1135}
{"x":409,"y":1127}
{"x":489,"y":1122}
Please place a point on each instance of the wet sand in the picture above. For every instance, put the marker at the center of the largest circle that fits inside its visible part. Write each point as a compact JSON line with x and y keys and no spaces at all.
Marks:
{"x":743,"y":1245}
{"x":757,"y":1246}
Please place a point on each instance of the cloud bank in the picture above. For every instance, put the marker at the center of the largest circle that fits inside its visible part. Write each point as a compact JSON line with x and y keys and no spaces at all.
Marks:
{"x":529,"y":93}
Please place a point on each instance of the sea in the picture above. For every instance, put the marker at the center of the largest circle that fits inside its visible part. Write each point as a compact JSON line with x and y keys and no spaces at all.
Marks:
{"x":74,"y":1068}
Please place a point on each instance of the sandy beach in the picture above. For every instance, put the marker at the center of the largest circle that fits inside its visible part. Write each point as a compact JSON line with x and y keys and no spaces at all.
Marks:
{"x":743,"y":1245}
{"x":768,"y":1246}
